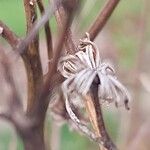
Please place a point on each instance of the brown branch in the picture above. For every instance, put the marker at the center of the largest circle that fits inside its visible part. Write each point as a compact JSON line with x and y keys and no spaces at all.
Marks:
{"x":61,"y":14}
{"x":9,"y":35}
{"x":35,"y":30}
{"x":100,"y":125}
{"x":52,"y":77}
{"x":102,"y":18}
{"x":43,"y":101}
{"x":47,"y":31}
{"x":31,"y":57}
{"x":93,"y":108}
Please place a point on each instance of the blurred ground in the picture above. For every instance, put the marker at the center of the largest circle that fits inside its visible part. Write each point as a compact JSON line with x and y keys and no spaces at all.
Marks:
{"x":125,"y":41}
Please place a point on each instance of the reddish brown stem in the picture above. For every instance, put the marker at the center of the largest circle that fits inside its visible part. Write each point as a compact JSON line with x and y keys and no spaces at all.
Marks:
{"x":47,"y":31}
{"x":102,"y":18}
{"x":61,"y":15}
{"x":9,"y":35}
{"x":108,"y":144}
{"x":42,"y":101}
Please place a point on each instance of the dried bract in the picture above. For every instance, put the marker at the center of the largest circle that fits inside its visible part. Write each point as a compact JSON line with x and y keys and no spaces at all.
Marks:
{"x":81,"y":71}
{"x":86,"y":67}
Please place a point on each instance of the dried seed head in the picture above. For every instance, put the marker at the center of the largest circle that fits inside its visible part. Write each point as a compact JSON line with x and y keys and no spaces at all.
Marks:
{"x":81,"y":70}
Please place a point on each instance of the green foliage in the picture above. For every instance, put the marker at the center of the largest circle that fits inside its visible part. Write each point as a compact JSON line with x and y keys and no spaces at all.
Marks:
{"x":12,"y":13}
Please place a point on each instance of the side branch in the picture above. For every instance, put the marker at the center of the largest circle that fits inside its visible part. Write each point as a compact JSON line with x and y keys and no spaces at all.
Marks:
{"x":107,"y":142}
{"x":43,"y":100}
{"x":47,"y":31}
{"x":102,"y":18}
{"x":9,"y":35}
{"x":61,"y":14}
{"x":35,"y":30}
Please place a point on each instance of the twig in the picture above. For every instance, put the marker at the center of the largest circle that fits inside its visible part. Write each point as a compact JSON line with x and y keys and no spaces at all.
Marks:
{"x":42,"y":101}
{"x":34,"y":31}
{"x":102,"y":18}
{"x":61,"y":15}
{"x":52,"y":77}
{"x":108,"y":144}
{"x":94,"y":111}
{"x":47,"y":31}
{"x":9,"y":35}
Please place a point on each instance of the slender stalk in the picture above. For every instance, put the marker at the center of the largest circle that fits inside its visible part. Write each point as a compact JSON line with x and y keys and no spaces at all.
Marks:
{"x":108,"y":144}
{"x":35,"y":30}
{"x":47,"y":31}
{"x":102,"y":18}
{"x":61,"y":15}
{"x":96,"y":117}
{"x":9,"y":35}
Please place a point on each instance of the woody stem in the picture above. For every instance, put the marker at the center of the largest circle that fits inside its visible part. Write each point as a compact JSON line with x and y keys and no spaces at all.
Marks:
{"x":108,"y":144}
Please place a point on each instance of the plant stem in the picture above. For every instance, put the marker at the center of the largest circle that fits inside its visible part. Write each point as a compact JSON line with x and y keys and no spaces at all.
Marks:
{"x":47,"y":31}
{"x":96,"y":117}
{"x":108,"y":144}
{"x":61,"y":13}
{"x":102,"y":18}
{"x":9,"y":35}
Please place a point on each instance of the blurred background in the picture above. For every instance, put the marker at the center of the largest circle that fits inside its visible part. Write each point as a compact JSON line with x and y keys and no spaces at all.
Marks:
{"x":124,"y":41}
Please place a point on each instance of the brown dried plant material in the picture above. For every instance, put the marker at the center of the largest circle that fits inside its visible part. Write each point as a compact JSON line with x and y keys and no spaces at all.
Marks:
{"x":61,"y":13}
{"x":81,"y":69}
{"x":84,"y":72}
{"x":90,"y":108}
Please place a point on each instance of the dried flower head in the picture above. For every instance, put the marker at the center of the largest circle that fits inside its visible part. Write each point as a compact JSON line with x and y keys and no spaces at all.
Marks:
{"x":81,"y":71}
{"x":86,"y":67}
